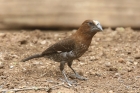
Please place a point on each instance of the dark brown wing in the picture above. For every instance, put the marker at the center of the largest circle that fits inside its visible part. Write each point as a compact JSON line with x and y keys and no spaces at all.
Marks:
{"x":65,"y":45}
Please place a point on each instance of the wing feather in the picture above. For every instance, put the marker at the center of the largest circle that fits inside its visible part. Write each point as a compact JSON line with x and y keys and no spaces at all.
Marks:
{"x":65,"y":45}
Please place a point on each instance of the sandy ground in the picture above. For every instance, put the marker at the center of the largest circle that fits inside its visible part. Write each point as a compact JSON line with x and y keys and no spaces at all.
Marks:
{"x":112,"y":63}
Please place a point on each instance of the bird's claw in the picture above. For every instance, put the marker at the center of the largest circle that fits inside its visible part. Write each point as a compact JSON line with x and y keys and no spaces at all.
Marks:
{"x":70,"y":83}
{"x":79,"y":76}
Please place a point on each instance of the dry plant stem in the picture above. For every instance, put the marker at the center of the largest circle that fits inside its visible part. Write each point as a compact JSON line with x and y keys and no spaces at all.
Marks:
{"x":31,"y":88}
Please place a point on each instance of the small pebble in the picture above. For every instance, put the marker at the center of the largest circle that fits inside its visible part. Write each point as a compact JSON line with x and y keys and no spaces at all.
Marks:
{"x":108,"y":64}
{"x":11,"y":67}
{"x":129,"y":69}
{"x":23,"y":42}
{"x":135,"y":63}
{"x":137,"y":56}
{"x":111,"y":91}
{"x":113,"y":69}
{"x":121,"y":60}
{"x":2,"y":34}
{"x":128,"y":52}
{"x":116,"y":75}
{"x":43,"y":42}
{"x":1,"y":65}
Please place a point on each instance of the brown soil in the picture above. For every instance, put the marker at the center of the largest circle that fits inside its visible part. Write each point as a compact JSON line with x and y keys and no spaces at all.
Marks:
{"x":112,"y":63}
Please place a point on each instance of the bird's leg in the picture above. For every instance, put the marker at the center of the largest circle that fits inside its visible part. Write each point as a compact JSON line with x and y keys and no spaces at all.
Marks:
{"x":62,"y":64}
{"x":76,"y":74}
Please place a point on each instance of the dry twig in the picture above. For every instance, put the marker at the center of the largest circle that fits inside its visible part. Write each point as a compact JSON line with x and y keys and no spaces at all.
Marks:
{"x":31,"y":88}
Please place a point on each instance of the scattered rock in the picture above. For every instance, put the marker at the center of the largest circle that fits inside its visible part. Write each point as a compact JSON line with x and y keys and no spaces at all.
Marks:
{"x":108,"y":64}
{"x":111,"y":91}
{"x":135,"y":63}
{"x":43,"y":42}
{"x":11,"y":67}
{"x":23,"y":42}
{"x":116,"y":75}
{"x":128,"y":52}
{"x":113,"y":58}
{"x":137,"y":56}
{"x":92,"y":58}
{"x":1,"y":65}
{"x":121,"y":60}
{"x":97,"y":74}
{"x":2,"y":34}
{"x":129,"y":69}
{"x":113,"y":69}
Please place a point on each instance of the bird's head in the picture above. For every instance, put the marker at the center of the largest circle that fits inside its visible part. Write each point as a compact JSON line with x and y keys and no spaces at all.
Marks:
{"x":86,"y":31}
{"x":90,"y":26}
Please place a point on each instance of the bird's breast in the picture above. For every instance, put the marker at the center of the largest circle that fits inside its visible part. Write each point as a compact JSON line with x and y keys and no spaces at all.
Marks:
{"x":80,"y":49}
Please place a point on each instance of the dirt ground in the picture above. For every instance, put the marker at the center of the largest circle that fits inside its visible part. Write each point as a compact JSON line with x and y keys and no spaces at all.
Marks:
{"x":112,"y":63}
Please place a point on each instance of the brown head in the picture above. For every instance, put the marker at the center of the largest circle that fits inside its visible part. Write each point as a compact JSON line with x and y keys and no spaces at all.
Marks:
{"x":83,"y":36}
{"x":89,"y":28}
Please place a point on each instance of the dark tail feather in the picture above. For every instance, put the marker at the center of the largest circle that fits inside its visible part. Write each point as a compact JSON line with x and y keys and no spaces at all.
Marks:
{"x":31,"y":57}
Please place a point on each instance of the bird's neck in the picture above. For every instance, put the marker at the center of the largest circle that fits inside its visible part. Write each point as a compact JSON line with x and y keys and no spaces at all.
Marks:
{"x":85,"y":34}
{"x":84,"y":38}
{"x":88,"y":36}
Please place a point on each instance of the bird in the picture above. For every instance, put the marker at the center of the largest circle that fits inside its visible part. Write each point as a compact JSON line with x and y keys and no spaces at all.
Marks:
{"x":71,"y":48}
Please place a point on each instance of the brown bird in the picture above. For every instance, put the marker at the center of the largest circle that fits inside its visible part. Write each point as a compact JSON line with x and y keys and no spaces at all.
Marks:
{"x":71,"y":48}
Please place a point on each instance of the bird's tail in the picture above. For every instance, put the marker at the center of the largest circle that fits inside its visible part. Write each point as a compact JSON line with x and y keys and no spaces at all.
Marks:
{"x":31,"y":57}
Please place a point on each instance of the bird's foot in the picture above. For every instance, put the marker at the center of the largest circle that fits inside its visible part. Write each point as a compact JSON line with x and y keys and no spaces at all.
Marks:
{"x":79,"y":76}
{"x":70,"y":83}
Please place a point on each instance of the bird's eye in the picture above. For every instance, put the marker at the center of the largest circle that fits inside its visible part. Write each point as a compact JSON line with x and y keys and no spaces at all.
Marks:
{"x":90,"y":23}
